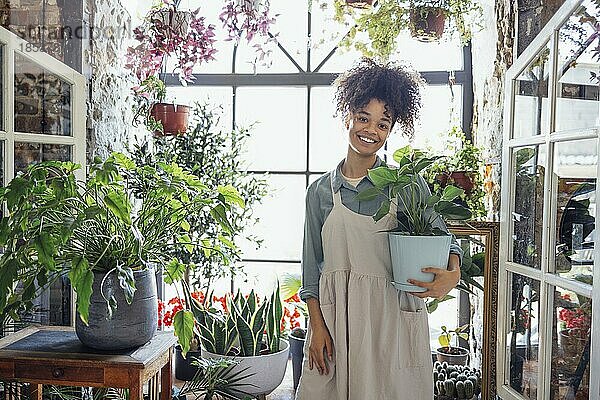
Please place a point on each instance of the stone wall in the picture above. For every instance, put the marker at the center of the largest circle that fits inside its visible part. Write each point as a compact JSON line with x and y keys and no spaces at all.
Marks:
{"x":110,"y":104}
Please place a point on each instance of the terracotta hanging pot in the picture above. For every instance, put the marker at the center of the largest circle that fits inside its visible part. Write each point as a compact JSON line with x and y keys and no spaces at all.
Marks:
{"x":174,"y":118}
{"x":427,"y":23}
{"x":360,"y":3}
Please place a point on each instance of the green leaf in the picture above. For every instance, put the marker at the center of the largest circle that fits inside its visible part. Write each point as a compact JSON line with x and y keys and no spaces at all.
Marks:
{"x":383,"y":176}
{"x":82,"y":278}
{"x":368,"y":194}
{"x":232,"y":195}
{"x":227,"y":242}
{"x":220,"y":215}
{"x":46,"y":249}
{"x":444,"y":341}
{"x":183,"y":322}
{"x":464,"y":336}
{"x":451,"y":211}
{"x":123,"y":161}
{"x":185,"y":225}
{"x":452,"y":192}
{"x":383,"y":210}
{"x":174,"y":271}
{"x":186,"y":240}
{"x":118,"y":204}
{"x":402,"y":153}
{"x":126,"y":282}
{"x":9,"y":267}
{"x":432,"y":200}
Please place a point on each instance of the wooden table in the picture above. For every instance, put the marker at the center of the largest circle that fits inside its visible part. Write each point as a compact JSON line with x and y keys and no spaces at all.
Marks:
{"x":55,"y":356}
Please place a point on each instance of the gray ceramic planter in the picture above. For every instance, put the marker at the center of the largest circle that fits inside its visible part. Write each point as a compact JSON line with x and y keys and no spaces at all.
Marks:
{"x":131,"y":325}
{"x":410,"y":254}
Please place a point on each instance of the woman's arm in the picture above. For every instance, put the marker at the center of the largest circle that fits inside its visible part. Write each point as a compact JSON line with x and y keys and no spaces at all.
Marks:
{"x":312,"y":258}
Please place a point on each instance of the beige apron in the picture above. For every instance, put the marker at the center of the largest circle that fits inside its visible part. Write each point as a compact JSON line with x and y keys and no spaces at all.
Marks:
{"x":380,"y":335}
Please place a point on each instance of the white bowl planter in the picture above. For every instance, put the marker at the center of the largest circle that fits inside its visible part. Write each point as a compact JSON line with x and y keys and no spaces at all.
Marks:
{"x":410,"y":254}
{"x":267,"y":370}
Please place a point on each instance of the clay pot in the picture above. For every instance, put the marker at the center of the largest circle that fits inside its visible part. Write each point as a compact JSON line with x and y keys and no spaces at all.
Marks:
{"x":174,"y":118}
{"x":427,"y":23}
{"x":453,"y":355}
{"x":462,"y":179}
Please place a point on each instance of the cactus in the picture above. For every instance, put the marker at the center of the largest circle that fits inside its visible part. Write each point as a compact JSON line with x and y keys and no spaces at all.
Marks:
{"x":460,"y":390}
{"x":449,"y":387}
{"x":454,"y":374}
{"x":439,"y":385}
{"x":462,"y":377}
{"x":469,"y":389}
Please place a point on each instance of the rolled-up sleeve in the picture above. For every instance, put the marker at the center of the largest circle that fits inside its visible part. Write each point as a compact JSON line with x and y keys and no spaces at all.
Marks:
{"x":312,"y":249}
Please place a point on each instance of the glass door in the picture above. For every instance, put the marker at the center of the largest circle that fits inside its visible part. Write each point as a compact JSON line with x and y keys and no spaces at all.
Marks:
{"x":548,"y":334}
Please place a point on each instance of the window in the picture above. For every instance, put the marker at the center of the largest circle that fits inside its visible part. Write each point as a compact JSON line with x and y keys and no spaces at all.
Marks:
{"x":43,"y":118}
{"x":547,"y":345}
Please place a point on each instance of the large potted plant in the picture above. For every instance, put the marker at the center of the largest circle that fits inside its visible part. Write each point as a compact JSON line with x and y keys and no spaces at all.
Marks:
{"x":418,"y":241}
{"x":246,"y":330}
{"x":106,"y":234}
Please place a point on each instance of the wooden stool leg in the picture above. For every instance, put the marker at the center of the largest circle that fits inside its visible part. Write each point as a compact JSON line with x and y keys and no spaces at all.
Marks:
{"x":166,"y":379}
{"x":36,"y":391}
{"x":136,"y":388}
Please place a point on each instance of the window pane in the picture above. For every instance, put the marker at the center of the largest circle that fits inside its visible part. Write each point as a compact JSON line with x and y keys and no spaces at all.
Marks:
{"x":578,"y":105}
{"x":531,"y":97}
{"x":328,"y":141}
{"x":218,"y":97}
{"x":263,"y":276}
{"x":291,"y":24}
{"x":575,"y":171}
{"x":522,"y":341}
{"x":529,"y":165}
{"x":30,"y":153}
{"x":441,"y":110}
{"x":278,"y":141}
{"x":281,"y":220}
{"x":2,"y":55}
{"x":42,"y":100}
{"x":443,"y":55}
{"x":570,"y":373}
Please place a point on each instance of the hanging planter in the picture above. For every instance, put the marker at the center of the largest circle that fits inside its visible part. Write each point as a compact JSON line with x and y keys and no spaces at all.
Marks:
{"x":178,"y":21}
{"x":173,"y":118}
{"x":462,"y":179}
{"x":427,"y":23}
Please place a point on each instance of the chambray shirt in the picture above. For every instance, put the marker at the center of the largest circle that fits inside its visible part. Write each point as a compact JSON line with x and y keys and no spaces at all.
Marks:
{"x":319,"y":203}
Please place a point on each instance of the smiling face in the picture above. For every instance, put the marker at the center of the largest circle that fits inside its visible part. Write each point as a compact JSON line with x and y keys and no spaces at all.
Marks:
{"x":368,"y":128}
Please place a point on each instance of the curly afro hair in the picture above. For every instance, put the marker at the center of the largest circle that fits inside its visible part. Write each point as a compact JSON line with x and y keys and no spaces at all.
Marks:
{"x":395,"y":85}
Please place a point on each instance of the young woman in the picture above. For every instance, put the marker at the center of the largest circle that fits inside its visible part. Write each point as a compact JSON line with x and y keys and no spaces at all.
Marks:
{"x":366,"y":340}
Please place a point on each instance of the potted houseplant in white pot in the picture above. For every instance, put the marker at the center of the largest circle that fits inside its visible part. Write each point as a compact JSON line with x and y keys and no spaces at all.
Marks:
{"x":418,"y":241}
{"x":453,"y":355}
{"x":247,"y":331}
{"x":105,"y":233}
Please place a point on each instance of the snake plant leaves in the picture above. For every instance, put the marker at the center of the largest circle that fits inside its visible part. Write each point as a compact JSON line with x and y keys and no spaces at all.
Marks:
{"x":183,"y":321}
{"x":82,"y":278}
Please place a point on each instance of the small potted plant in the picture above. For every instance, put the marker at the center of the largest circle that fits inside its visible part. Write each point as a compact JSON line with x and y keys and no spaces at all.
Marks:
{"x":419,"y":240}
{"x":453,"y":355}
{"x":246,"y":330}
{"x":215,"y":379}
{"x":428,"y":20}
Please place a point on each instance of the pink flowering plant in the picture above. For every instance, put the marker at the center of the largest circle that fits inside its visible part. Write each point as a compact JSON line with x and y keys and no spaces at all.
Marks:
{"x":251,"y":20}
{"x":168,"y":31}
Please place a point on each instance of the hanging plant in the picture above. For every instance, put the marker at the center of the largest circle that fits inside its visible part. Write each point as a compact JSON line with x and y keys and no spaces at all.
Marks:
{"x":360,"y":3}
{"x":425,"y":19}
{"x":251,"y":20}
{"x":168,"y":31}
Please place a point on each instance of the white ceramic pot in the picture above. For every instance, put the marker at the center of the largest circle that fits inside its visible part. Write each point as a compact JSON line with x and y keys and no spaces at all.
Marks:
{"x":410,"y":254}
{"x":267,"y":371}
